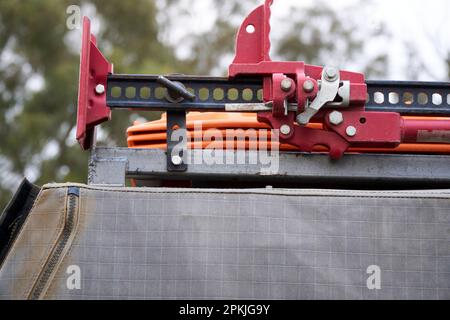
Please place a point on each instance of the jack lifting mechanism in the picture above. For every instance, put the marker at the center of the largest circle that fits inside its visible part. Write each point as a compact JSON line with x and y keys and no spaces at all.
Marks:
{"x":310,"y":105}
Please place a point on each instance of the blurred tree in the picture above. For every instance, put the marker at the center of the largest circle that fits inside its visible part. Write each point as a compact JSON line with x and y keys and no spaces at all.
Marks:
{"x":434,"y":63}
{"x":317,"y":34}
{"x":322,"y":35}
{"x":37,"y":124}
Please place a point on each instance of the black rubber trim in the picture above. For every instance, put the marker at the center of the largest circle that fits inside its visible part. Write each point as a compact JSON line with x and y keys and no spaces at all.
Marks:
{"x":15,"y":214}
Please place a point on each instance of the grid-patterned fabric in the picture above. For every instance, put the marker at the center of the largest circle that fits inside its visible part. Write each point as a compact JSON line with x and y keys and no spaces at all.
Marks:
{"x":33,"y":245}
{"x":257,"y":244}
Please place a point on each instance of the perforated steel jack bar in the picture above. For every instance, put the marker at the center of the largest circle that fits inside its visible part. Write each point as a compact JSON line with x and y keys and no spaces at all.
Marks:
{"x":143,"y":92}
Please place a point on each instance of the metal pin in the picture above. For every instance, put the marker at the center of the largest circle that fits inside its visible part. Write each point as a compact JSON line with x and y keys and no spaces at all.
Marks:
{"x":176,"y":90}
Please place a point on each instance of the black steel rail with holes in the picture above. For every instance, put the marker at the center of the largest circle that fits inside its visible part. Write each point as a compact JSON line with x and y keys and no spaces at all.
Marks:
{"x":213,"y":93}
{"x":144,"y":92}
{"x":209,"y":94}
{"x":409,"y":98}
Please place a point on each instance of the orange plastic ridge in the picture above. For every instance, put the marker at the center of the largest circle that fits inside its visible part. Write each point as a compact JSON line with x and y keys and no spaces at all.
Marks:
{"x":152,"y":135}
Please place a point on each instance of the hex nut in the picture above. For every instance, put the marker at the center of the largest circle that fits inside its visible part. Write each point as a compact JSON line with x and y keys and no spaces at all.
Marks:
{"x":336,"y":118}
{"x":331,"y":73}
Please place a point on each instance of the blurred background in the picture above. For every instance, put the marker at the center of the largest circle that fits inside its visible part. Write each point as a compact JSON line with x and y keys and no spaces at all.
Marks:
{"x":398,"y":40}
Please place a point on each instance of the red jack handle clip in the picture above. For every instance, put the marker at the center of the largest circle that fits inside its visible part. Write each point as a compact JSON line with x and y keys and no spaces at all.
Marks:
{"x":94,"y":71}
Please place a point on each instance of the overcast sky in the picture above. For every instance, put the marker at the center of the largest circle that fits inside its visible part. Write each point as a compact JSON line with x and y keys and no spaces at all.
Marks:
{"x":423,"y":24}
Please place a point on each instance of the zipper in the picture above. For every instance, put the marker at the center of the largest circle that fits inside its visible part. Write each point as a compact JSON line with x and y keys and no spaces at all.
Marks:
{"x":52,"y":262}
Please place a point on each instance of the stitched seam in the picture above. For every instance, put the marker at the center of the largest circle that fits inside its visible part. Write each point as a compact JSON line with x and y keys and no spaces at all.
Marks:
{"x":444,"y":195}
{"x":47,"y":255}
{"x":67,"y":250}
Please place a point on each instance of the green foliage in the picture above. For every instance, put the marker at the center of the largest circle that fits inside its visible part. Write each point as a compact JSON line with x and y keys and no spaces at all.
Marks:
{"x":32,"y":39}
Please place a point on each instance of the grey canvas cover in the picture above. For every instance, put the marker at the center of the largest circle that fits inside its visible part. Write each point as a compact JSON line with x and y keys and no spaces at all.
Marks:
{"x":126,"y":243}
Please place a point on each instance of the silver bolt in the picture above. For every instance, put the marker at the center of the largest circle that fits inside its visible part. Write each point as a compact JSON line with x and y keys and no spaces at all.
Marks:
{"x":331,"y":73}
{"x":351,"y":131}
{"x":308,"y":86}
{"x":100,"y":89}
{"x":286,"y":85}
{"x":336,"y":118}
{"x":285,"y":129}
{"x":176,"y":160}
